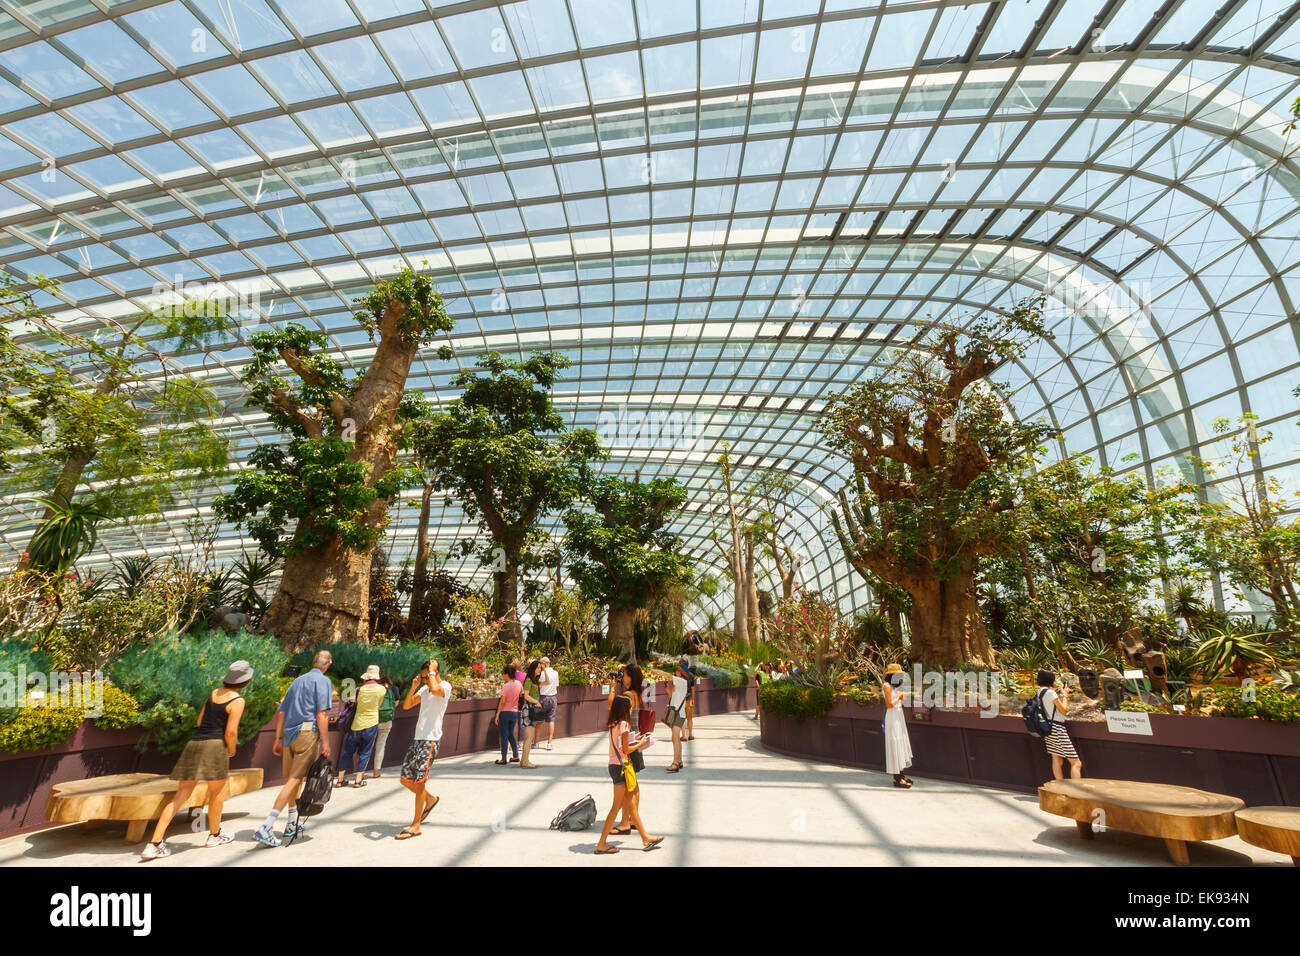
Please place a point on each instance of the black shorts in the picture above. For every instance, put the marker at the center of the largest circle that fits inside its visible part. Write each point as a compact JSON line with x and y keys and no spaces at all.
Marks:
{"x":616,"y":774}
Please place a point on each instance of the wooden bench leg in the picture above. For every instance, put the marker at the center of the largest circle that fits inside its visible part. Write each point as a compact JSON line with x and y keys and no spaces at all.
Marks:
{"x":135,"y":830}
{"x":92,"y":826}
{"x":1178,"y":851}
{"x":1085,"y":829}
{"x":1295,"y":861}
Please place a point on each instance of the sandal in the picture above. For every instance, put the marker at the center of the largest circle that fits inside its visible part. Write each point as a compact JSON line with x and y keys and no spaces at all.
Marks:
{"x":903,"y":784}
{"x":674,"y":767}
{"x":618,"y":832}
{"x":358,"y":783}
{"x":429,"y":809}
{"x":652,"y":844}
{"x":500,"y":763}
{"x":608,"y":849}
{"x":408,"y":834}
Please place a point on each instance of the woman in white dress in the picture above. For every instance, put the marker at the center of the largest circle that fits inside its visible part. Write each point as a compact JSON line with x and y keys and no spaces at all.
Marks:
{"x":898,"y":749}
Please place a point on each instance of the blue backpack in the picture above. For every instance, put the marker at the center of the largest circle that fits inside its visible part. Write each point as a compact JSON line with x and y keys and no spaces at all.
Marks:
{"x":1036,"y":718}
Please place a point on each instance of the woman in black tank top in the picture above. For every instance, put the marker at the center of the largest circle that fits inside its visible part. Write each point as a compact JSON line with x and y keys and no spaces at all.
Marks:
{"x":206,"y":758}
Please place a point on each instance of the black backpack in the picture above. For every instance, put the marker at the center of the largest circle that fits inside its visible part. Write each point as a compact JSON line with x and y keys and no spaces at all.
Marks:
{"x":576,"y":816}
{"x":316,"y":790}
{"x":1036,"y":718}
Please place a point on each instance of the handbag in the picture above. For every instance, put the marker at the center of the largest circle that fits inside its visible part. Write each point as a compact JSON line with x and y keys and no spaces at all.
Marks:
{"x":674,"y":716}
{"x":645,"y":721}
{"x":629,"y":772}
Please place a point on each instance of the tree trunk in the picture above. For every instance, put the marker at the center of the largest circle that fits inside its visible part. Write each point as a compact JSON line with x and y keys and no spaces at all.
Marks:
{"x":420,"y":580}
{"x":324,"y":598}
{"x":324,"y":595}
{"x":65,"y":486}
{"x":621,"y":631}
{"x":505,"y":602}
{"x":751,"y":589}
{"x":947,"y":628}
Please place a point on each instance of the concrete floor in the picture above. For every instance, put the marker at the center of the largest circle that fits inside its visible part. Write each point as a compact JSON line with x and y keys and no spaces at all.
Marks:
{"x":733,"y":805}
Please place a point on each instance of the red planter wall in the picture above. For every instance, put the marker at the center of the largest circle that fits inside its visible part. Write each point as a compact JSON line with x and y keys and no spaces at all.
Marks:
{"x":26,"y":778}
{"x":1255,"y":760}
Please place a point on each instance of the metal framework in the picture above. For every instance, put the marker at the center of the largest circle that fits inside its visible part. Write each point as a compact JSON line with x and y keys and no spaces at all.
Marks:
{"x":722,"y":210}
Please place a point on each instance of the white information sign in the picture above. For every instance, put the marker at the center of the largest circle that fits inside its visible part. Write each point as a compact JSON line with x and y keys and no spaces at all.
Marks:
{"x":1124,"y":722}
{"x":1133,"y":675}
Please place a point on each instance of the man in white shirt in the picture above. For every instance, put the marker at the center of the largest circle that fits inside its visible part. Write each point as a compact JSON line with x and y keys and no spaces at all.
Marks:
{"x":548,"y":685}
{"x":677,"y":703}
{"x":432,"y":693}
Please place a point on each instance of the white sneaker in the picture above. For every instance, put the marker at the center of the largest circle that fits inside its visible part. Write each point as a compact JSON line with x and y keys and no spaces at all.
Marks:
{"x":266,"y":837}
{"x":218,"y":839}
{"x":155,"y":851}
{"x":548,"y":747}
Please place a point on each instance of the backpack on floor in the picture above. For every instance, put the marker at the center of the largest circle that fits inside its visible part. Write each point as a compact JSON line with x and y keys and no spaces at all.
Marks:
{"x":576,"y":816}
{"x":1036,"y":719}
{"x":316,"y":790}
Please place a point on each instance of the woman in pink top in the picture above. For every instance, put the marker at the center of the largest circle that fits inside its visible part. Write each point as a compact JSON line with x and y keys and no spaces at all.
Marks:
{"x":621,"y":749}
{"x":507,"y":715}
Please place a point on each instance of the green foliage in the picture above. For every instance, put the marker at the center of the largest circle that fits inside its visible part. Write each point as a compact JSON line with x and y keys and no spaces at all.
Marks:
{"x":121,"y":710}
{"x":18,"y":658}
{"x":172,"y":677}
{"x":401,"y":662}
{"x":69,"y":531}
{"x":1269,"y":703}
{"x":573,"y":677}
{"x":1221,"y":650}
{"x":1140,"y":707}
{"x":725,"y":673}
{"x":502,"y":450}
{"x":417,"y":305}
{"x":624,"y":553}
{"x":81,"y":408}
{"x":795,"y":700}
{"x":39,"y":728}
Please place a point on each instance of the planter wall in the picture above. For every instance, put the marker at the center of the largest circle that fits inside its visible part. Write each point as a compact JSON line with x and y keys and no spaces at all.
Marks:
{"x":1255,"y":760}
{"x":26,"y":778}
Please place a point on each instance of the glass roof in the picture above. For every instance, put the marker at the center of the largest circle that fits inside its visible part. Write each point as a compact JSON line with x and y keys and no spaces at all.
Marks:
{"x":721,"y":210}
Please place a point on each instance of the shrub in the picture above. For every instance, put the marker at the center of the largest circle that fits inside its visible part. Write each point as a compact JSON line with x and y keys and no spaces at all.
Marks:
{"x":573,"y":677}
{"x":1140,"y":707}
{"x":724,"y":674}
{"x":16,"y":660}
{"x":39,"y":728}
{"x":794,"y":700}
{"x":121,"y":710}
{"x":173,"y":675}
{"x":1270,"y":703}
{"x":401,"y":662}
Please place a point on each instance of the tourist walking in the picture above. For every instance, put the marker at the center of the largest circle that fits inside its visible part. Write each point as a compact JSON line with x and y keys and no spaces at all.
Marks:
{"x":621,"y":751}
{"x":677,"y":701}
{"x":898,"y":748}
{"x":1055,"y":706}
{"x":432,"y":693}
{"x":387,"y":712}
{"x":549,"y":684}
{"x":301,"y":735}
{"x":364,"y":730}
{"x":207,"y":758}
{"x":689,"y":731}
{"x":530,"y":712}
{"x":507,"y":715}
{"x":631,"y":681}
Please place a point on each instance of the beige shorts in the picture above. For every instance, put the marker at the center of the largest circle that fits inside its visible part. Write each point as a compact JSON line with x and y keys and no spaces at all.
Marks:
{"x":298,"y":757}
{"x":690,"y":709}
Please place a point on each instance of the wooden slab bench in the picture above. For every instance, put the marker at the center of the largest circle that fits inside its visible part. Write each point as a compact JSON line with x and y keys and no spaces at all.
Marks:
{"x":1174,"y":814}
{"x":137,"y":798}
{"x":1273,"y":828}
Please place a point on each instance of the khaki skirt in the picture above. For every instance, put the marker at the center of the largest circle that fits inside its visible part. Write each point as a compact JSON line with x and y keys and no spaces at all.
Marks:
{"x":203,"y":760}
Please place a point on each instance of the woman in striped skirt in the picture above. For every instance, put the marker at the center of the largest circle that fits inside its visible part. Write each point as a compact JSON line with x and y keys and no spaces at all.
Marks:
{"x":1059,"y":745}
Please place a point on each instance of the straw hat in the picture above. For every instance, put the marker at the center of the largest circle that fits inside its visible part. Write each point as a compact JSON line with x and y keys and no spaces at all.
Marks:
{"x":371,"y":673}
{"x":893,"y":669}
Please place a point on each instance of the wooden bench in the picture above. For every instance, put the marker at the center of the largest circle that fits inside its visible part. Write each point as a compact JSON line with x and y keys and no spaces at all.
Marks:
{"x":137,"y":798}
{"x":1174,"y":814}
{"x":1273,"y":828}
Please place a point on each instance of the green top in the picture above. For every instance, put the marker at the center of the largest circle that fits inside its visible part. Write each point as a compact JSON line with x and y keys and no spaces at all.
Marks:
{"x":532,"y":690}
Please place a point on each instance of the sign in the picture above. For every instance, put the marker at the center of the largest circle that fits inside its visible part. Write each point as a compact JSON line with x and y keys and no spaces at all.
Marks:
{"x":604,"y":688}
{"x":1124,"y":722}
{"x":1133,"y":675}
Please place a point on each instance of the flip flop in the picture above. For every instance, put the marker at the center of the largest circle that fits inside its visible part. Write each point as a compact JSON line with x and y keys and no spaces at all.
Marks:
{"x":608,"y":849}
{"x":617,"y":832}
{"x":652,"y":844}
{"x":429,"y":809}
{"x":408,"y":835}
{"x":673,"y":769}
